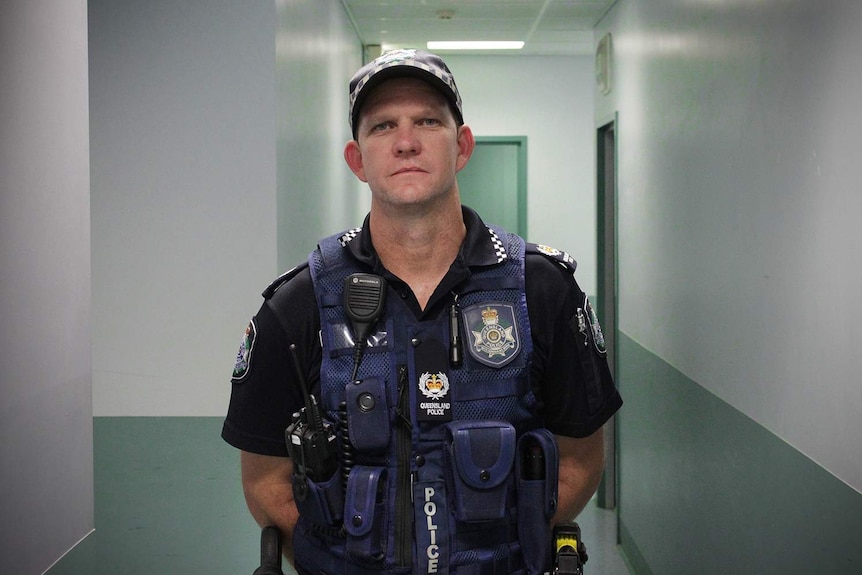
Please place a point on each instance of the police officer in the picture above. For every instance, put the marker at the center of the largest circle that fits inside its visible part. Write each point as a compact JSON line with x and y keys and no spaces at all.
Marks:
{"x":462,"y":417}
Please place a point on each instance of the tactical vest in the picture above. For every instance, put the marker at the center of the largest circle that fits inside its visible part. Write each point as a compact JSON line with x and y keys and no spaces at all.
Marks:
{"x":444,"y":465}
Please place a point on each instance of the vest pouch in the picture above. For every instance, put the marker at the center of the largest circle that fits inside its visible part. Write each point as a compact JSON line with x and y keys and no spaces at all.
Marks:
{"x":321,"y":503}
{"x":364,"y":511}
{"x":368,"y":415}
{"x":480,"y":457}
{"x":537,"y":469}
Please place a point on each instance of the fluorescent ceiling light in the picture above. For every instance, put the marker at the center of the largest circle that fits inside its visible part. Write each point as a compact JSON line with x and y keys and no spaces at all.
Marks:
{"x":475,"y":45}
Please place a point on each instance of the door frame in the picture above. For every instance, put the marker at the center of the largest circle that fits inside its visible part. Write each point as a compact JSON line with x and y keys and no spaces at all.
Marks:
{"x":607,"y":284}
{"x":521,"y":143}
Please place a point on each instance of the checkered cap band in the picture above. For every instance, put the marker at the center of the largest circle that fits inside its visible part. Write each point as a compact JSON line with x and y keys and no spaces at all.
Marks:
{"x":415,"y":63}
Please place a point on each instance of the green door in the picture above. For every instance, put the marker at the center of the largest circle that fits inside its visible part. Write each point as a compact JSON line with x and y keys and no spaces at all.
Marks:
{"x":494,"y":182}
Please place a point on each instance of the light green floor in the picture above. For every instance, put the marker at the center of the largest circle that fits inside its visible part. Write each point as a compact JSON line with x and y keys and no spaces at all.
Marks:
{"x":169,"y":502}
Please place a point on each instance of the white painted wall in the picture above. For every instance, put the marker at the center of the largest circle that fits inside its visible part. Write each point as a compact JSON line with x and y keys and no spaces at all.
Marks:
{"x":318,"y":195}
{"x":183,"y":196}
{"x":46,"y":452}
{"x":549,"y":100}
{"x":739,"y":208}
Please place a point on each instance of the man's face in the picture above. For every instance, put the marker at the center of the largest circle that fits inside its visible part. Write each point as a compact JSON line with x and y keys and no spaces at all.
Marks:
{"x":408,"y":147}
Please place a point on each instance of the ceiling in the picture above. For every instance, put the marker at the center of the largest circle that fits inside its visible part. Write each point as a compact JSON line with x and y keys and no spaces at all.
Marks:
{"x":549,"y":27}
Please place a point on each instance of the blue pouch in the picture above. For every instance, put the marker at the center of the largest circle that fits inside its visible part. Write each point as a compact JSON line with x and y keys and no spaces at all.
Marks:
{"x":321,"y":503}
{"x":368,"y":415}
{"x":480,"y":455}
{"x":364,"y":511}
{"x":537,"y":469}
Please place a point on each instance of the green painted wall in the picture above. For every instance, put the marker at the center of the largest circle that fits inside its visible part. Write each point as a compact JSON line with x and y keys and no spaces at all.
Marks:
{"x":705,"y":489}
{"x":168,"y":500}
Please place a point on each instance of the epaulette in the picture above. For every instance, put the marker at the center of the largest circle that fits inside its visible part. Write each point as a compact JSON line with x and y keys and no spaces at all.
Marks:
{"x":282,"y":279}
{"x":554,"y":254}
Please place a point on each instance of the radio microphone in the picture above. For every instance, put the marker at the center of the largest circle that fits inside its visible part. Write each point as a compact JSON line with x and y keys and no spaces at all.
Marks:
{"x":364,"y":301}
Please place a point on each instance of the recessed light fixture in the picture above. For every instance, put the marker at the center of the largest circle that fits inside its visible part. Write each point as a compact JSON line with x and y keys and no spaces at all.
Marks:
{"x":475,"y":45}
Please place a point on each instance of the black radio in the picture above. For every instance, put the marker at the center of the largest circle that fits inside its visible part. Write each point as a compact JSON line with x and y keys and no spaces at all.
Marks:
{"x":314,"y":451}
{"x":311,"y":441}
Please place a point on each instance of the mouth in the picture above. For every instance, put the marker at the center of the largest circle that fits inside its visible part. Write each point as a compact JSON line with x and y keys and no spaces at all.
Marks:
{"x":408,"y":170}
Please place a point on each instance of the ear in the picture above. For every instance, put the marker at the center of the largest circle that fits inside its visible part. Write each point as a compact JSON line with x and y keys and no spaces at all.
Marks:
{"x":466,"y":145}
{"x":353,"y":157}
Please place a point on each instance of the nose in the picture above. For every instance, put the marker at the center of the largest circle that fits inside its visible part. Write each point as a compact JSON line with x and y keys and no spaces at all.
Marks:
{"x":406,"y":142}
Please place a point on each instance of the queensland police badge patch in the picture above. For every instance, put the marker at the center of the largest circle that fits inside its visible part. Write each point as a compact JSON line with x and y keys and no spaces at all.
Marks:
{"x":436,"y":405}
{"x":493,"y":333}
{"x":243,"y":356}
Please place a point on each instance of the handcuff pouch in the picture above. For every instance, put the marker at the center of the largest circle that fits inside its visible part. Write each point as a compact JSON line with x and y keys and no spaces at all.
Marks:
{"x":480,"y":456}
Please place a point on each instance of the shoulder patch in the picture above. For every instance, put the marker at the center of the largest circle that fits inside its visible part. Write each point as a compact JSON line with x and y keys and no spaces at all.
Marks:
{"x":243,"y":357}
{"x":595,"y":327}
{"x":282,"y":279}
{"x":554,"y":254}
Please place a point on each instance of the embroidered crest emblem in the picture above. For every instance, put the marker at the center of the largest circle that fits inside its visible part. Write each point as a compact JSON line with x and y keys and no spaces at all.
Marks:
{"x":397,"y":56}
{"x":493,"y":332}
{"x":593,"y":319}
{"x":555,"y":253}
{"x":548,"y":250}
{"x":243,"y":356}
{"x":434,"y":385}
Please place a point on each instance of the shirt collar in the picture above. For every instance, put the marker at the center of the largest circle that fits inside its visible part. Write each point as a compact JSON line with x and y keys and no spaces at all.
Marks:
{"x":481,"y":246}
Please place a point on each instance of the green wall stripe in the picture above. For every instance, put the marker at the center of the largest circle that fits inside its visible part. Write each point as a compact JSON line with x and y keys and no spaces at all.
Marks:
{"x":705,"y":489}
{"x":635,"y":559}
{"x":168,"y":500}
